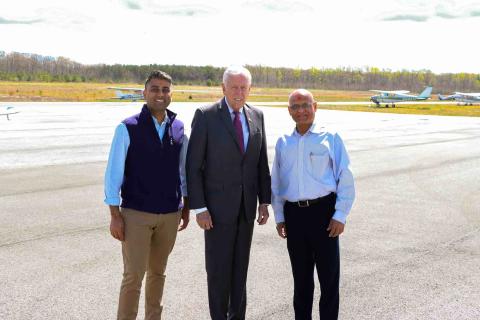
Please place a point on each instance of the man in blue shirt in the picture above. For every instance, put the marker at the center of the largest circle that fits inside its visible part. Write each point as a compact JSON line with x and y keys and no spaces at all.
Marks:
{"x":312,"y":194}
{"x":147,"y":166}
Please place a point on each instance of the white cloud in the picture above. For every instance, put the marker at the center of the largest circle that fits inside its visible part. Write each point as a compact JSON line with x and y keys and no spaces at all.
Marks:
{"x":273,"y":6}
{"x":8,"y":21}
{"x":131,"y":4}
{"x":422,"y":11}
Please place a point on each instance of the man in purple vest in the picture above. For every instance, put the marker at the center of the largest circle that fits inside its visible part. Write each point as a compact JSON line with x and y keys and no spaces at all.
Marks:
{"x":146,"y":166}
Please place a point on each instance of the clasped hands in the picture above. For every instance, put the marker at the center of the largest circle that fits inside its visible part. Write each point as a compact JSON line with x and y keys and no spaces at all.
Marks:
{"x":204,"y":219}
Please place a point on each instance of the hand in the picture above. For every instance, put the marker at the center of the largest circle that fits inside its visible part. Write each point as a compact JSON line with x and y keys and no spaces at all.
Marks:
{"x":282,"y":230}
{"x":185,"y":218}
{"x":262,"y":214}
{"x":117,"y":226}
{"x":204,"y":220}
{"x":335,"y":227}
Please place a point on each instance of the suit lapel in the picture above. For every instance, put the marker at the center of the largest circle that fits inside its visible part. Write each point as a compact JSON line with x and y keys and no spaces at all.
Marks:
{"x":252,"y":126}
{"x":227,"y":121}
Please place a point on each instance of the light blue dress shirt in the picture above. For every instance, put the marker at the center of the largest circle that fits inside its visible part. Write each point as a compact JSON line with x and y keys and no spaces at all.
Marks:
{"x":310,"y":166}
{"x":118,"y":154}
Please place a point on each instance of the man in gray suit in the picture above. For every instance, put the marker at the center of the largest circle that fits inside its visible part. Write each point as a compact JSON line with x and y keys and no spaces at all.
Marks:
{"x":227,"y":171}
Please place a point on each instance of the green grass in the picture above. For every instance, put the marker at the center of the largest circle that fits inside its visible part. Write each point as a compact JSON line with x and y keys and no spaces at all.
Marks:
{"x":91,"y":92}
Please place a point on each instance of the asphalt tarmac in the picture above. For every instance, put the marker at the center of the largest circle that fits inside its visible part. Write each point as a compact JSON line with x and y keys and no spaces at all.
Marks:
{"x":411,"y":247}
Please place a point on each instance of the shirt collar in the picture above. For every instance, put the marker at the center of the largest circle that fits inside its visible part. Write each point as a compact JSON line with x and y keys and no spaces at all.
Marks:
{"x":164,"y":122}
{"x":314,"y":128}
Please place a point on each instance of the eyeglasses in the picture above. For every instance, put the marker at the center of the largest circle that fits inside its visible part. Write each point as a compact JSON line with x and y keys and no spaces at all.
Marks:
{"x":304,"y":106}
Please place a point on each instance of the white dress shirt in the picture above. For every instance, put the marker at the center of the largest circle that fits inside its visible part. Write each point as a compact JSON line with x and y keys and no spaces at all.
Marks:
{"x":310,"y":166}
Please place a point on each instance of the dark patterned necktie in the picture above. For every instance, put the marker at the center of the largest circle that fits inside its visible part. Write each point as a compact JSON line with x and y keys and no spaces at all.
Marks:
{"x":238,"y":129}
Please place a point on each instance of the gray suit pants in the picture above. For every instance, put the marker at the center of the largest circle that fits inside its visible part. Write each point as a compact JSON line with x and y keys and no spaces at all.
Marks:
{"x":227,"y":253}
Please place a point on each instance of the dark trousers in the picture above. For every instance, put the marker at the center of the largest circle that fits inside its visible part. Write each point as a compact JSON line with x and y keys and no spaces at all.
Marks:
{"x":227,"y":254}
{"x":308,"y":246}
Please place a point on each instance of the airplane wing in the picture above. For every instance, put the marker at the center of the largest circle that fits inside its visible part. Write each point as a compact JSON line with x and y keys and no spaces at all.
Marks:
{"x":3,"y":113}
{"x":391,"y":91}
{"x":472,"y":94}
{"x":136,"y":90}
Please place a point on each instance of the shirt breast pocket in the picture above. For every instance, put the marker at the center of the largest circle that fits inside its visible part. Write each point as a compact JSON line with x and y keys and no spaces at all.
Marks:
{"x":319,"y":161}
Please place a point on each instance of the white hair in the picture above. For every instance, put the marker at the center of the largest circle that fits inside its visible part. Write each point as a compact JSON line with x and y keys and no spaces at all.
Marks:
{"x":236,"y":70}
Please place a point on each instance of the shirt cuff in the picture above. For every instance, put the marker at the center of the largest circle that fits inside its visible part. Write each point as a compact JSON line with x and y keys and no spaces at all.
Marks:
{"x":113,"y":201}
{"x":279,"y":217}
{"x":340,"y":216}
{"x":200,"y":210}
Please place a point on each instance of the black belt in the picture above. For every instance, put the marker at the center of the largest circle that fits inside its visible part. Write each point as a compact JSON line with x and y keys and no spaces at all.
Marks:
{"x":308,"y":203}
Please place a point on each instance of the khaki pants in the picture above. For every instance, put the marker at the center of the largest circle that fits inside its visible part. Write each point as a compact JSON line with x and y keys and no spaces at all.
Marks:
{"x":149,"y":239}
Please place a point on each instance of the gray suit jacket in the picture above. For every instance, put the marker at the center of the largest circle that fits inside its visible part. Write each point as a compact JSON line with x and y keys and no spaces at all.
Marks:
{"x":218,"y":174}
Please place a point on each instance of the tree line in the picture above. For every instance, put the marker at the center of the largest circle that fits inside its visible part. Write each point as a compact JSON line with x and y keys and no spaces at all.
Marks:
{"x":33,"y":67}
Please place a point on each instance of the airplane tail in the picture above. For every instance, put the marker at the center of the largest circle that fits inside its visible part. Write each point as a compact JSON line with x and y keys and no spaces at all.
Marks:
{"x":7,"y":111}
{"x":426,"y":93}
{"x":440,"y":97}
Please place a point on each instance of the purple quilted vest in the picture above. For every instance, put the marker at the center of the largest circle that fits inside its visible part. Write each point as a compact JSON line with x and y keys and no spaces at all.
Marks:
{"x":152,"y":182}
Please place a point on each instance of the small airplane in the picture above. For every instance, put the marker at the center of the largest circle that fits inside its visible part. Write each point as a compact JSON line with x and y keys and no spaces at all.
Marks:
{"x":467,"y":98}
{"x":398,"y":96}
{"x":7,"y":111}
{"x":133,"y":94}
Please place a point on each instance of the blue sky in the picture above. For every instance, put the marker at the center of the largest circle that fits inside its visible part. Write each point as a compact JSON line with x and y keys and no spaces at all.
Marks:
{"x":440,"y":35}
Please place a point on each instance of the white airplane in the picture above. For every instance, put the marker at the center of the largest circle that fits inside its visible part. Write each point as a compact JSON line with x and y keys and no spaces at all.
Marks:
{"x":7,"y":111}
{"x":133,"y":94}
{"x":467,"y":98}
{"x":398,"y":96}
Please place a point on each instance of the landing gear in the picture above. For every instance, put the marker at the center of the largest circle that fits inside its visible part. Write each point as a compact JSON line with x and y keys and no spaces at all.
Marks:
{"x":393,"y":106}
{"x":386,"y":105}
